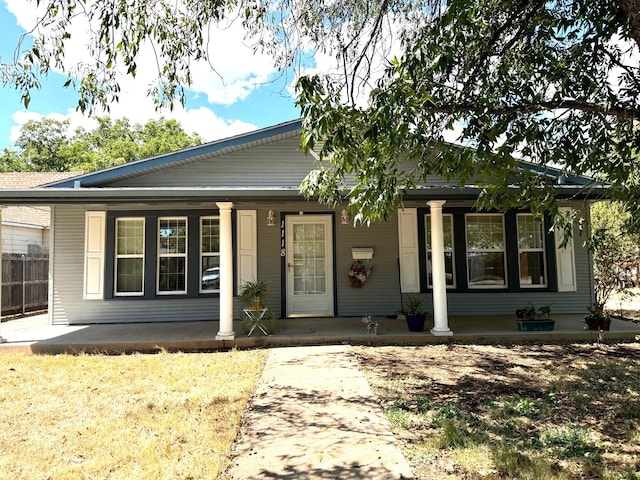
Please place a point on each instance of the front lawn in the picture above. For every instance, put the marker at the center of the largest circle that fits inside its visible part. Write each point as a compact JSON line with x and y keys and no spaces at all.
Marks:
{"x":525,"y":412}
{"x":165,"y":416}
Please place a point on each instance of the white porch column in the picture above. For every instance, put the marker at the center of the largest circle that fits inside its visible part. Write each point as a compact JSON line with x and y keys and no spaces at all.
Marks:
{"x":440,"y":316}
{"x":226,"y":273}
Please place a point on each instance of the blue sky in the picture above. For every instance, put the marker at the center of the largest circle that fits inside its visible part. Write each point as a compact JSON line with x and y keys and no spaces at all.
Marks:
{"x":251,"y":96}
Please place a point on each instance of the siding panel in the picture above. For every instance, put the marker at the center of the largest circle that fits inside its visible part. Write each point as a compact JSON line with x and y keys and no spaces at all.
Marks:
{"x":276,"y":164}
{"x":280,"y":163}
{"x":70,"y":308}
{"x":379,"y":296}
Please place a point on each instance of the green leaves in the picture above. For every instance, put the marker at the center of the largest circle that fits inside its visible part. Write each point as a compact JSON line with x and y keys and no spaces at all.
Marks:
{"x":556,"y":83}
{"x":526,"y":79}
{"x":46,"y":145}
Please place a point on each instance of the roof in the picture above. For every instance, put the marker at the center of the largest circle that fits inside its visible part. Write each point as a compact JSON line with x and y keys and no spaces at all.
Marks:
{"x":31,"y":216}
{"x":33,"y":179}
{"x":188,"y":155}
{"x":101,"y":186}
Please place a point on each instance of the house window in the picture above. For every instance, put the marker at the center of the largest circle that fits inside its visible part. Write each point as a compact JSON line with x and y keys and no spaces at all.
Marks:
{"x":209,"y":254}
{"x":129,"y":261}
{"x":485,"y":250}
{"x":172,"y":256}
{"x":449,"y":264}
{"x":531,"y":252}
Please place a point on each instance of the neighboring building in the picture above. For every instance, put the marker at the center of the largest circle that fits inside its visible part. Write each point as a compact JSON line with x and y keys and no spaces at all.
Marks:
{"x":143,"y":241}
{"x":25,"y":230}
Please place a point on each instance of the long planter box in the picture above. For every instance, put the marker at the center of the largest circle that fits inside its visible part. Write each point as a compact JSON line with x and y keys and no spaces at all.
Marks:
{"x":536,"y":325}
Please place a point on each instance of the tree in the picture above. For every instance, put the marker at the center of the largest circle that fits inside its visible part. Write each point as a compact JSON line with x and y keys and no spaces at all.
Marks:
{"x":556,"y":82}
{"x":45,"y":146}
{"x":41,"y":146}
{"x":612,"y":247}
{"x":528,"y":79}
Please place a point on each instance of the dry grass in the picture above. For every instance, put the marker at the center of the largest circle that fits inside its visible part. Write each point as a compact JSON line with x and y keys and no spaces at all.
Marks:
{"x":625,"y":304}
{"x":165,"y":416}
{"x":525,"y":412}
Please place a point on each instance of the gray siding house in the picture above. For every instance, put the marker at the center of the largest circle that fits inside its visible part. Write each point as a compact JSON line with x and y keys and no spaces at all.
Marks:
{"x":174,"y":238}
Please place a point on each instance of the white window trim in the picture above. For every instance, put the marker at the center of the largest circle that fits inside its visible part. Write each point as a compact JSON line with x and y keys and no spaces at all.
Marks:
{"x":207,"y":254}
{"x":534,"y":250}
{"x":173,"y":255}
{"x":452,"y":250}
{"x":117,"y":256}
{"x":505,"y":286}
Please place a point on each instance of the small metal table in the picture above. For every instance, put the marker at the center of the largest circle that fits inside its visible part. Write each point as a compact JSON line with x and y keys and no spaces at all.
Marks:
{"x":255,"y":319}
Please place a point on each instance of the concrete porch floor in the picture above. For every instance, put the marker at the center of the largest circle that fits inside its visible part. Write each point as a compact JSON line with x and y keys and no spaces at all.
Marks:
{"x":34,"y":335}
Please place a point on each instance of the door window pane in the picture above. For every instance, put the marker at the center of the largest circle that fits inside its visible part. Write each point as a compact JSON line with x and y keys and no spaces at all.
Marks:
{"x":309,"y":259}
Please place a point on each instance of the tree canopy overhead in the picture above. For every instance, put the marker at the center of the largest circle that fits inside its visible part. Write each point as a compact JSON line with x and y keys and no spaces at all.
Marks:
{"x":554,"y":82}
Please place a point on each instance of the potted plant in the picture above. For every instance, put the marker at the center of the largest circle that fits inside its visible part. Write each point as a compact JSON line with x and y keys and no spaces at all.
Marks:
{"x":415,"y":314}
{"x":254,"y":294}
{"x":597,"y":318}
{"x":532,"y":320}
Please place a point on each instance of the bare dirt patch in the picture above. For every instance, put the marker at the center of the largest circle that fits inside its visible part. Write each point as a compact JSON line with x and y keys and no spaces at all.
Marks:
{"x":550,"y":411}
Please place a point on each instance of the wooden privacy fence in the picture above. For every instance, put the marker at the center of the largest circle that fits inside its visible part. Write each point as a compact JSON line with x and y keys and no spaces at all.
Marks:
{"x":25,"y":282}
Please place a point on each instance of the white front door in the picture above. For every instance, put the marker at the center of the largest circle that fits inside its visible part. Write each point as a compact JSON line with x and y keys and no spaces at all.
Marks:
{"x":309,"y":265}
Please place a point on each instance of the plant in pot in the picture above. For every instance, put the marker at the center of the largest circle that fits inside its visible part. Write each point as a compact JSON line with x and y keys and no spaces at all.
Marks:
{"x":597,"y":318}
{"x":415,"y":314}
{"x":254,"y":294}
{"x":530,"y":319}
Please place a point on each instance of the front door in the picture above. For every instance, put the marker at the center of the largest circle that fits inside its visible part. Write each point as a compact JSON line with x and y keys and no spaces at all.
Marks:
{"x":309,"y":265}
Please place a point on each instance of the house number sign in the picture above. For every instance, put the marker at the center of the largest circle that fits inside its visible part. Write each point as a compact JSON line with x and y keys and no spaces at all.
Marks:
{"x":283,"y":251}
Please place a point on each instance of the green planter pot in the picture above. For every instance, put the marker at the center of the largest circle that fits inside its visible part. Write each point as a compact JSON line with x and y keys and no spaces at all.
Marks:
{"x":415,"y":321}
{"x":536,"y":325}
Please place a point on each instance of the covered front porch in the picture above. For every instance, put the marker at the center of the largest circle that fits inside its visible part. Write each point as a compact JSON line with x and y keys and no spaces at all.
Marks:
{"x":34,"y":335}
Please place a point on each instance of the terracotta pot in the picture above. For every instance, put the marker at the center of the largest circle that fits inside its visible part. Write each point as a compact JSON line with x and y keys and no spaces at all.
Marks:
{"x":598,"y":325}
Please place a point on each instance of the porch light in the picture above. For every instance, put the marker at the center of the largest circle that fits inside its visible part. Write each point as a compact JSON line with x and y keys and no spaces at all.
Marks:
{"x":271,"y":218}
{"x":344,"y":216}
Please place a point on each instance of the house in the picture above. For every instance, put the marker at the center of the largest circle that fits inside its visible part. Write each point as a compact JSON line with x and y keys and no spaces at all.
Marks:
{"x":173,"y":238}
{"x":25,"y":230}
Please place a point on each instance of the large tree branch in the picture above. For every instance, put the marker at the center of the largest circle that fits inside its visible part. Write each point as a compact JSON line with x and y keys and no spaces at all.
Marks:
{"x":631,"y":9}
{"x":526,"y":24}
{"x":377,"y":25}
{"x":619,"y":112}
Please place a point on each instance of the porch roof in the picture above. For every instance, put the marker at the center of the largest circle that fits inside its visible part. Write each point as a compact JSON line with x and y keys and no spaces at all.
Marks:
{"x":53,"y":196}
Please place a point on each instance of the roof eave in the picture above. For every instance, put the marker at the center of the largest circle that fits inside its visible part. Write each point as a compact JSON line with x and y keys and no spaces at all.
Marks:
{"x":172,"y":159}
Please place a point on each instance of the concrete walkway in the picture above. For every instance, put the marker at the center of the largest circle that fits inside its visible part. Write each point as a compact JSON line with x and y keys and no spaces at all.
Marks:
{"x":314,"y":416}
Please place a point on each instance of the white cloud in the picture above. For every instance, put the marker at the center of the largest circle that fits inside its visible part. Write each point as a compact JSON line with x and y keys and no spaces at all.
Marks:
{"x":372,"y":66}
{"x":234,"y":72}
{"x":238,"y":72}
